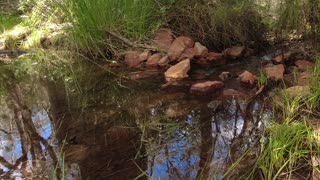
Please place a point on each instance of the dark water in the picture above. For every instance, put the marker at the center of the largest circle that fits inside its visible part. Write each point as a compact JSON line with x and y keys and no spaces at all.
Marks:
{"x":133,"y":130}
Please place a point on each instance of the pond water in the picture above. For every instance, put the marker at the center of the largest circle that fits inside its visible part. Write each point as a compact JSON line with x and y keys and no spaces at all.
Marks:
{"x":130,"y":130}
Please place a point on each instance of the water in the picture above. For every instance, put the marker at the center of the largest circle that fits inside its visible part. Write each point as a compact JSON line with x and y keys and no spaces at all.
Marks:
{"x":128,"y":131}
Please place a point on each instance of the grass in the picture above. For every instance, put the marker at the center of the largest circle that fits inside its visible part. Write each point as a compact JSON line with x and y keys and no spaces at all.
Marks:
{"x":92,"y":20}
{"x":7,"y":22}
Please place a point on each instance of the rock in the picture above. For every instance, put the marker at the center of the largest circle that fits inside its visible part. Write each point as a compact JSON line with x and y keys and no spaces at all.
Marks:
{"x":282,"y":57}
{"x":178,"y":47}
{"x":200,"y":49}
{"x":145,"y":55}
{"x":303,"y":79}
{"x":178,"y":71}
{"x":247,"y":78}
{"x":143,"y":75}
{"x":188,"y":53}
{"x":298,"y":91}
{"x":213,"y":56}
{"x":224,"y":75}
{"x":163,"y":39}
{"x":132,"y":59}
{"x":232,"y":92}
{"x":164,"y":61}
{"x":275,"y":71}
{"x":206,"y":87}
{"x":153,"y":60}
{"x":234,"y":52}
{"x":304,"y":65}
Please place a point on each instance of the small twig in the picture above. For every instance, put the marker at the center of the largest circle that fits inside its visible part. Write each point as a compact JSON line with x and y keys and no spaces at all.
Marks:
{"x":129,"y":43}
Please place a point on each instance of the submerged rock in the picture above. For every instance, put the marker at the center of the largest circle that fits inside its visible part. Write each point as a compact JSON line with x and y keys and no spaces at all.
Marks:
{"x":178,"y":71}
{"x":275,"y":71}
{"x":163,"y":39}
{"x":206,"y":87}
{"x":178,"y":46}
{"x":247,"y":78}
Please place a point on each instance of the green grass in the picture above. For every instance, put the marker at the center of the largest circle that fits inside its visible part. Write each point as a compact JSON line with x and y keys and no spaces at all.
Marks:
{"x":92,"y":20}
{"x":7,"y":22}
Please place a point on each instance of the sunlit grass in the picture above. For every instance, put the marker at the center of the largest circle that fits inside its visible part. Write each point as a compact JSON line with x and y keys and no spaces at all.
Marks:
{"x":8,"y":21}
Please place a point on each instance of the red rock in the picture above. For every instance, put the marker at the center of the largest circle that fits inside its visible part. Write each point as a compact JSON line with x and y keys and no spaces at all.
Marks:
{"x":303,"y":79}
{"x":247,"y":78}
{"x":206,"y":87}
{"x":132,"y":59}
{"x":153,"y":60}
{"x":145,"y":55}
{"x":304,"y":65}
{"x":188,"y":53}
{"x":164,"y":61}
{"x":178,"y":71}
{"x":234,"y":52}
{"x":178,"y":46}
{"x":200,"y":49}
{"x":275,"y":71}
{"x":282,"y":57}
{"x":232,"y":92}
{"x":163,"y":39}
{"x":213,"y":56}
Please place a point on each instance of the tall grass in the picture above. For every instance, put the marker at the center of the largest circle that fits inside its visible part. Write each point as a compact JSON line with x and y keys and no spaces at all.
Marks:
{"x":92,"y":20}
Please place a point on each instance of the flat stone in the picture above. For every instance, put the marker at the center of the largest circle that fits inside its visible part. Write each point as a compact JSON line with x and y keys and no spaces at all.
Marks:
{"x":178,"y":46}
{"x":282,"y":57}
{"x":275,"y":71}
{"x":163,"y":39}
{"x":132,"y":59}
{"x":164,"y":61}
{"x":304,"y":65}
{"x":153,"y":60}
{"x":247,"y":78}
{"x":232,"y":92}
{"x":206,"y":87}
{"x":234,"y":52}
{"x":178,"y":71}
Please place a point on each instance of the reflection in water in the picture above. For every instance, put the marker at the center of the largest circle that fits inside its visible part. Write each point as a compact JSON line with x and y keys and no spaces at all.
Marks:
{"x":162,"y":136}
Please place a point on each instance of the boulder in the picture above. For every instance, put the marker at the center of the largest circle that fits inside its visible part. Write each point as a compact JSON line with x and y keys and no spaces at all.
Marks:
{"x":132,"y":59}
{"x":153,"y":60}
{"x":206,"y":87}
{"x":232,"y":92}
{"x":247,"y":78}
{"x":145,"y":55}
{"x":282,"y":57}
{"x":178,"y":71}
{"x":164,"y":61}
{"x":200,"y":49}
{"x":234,"y":52}
{"x":163,"y":39}
{"x":275,"y":71}
{"x":178,"y":47}
{"x":304,"y":65}
{"x":188,"y":53}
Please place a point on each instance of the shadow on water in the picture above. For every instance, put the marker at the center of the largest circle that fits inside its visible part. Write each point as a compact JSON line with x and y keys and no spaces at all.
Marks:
{"x":139,"y":132}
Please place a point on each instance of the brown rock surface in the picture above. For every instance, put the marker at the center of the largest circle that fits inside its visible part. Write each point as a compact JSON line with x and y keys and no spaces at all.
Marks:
{"x":275,"y":71}
{"x":188,"y":53}
{"x":178,"y":47}
{"x":304,"y":65}
{"x":164,"y":61}
{"x":153,"y":60}
{"x":234,"y":52}
{"x":132,"y":59}
{"x":163,"y":39}
{"x":206,"y":87}
{"x":145,"y":55}
{"x":282,"y":57}
{"x":178,"y":71}
{"x":247,"y":78}
{"x":201,"y":50}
